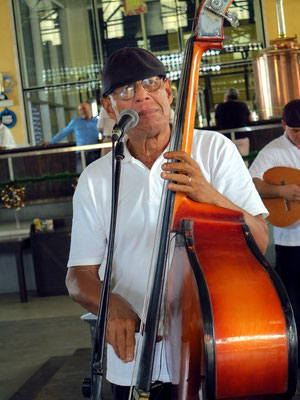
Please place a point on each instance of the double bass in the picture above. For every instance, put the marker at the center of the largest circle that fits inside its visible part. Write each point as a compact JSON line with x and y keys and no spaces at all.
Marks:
{"x":229,"y":327}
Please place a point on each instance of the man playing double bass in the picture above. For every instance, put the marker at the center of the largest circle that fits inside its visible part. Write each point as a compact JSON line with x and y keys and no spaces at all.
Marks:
{"x":284,"y":152}
{"x":133,"y":78}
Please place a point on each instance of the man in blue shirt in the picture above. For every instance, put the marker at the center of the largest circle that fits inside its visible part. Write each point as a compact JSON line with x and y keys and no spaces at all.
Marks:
{"x":86,"y":132}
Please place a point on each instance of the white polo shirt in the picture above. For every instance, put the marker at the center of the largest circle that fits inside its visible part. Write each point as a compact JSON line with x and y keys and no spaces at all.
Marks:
{"x":139,"y":201}
{"x":6,"y":137}
{"x":279,"y":153}
{"x":105,"y":123}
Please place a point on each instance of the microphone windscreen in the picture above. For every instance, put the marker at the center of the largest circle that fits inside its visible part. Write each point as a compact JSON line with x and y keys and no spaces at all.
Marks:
{"x":131,"y":113}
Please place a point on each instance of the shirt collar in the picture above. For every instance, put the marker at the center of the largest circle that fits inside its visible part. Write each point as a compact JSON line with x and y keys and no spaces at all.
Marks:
{"x":288,"y":140}
{"x":128,"y":157}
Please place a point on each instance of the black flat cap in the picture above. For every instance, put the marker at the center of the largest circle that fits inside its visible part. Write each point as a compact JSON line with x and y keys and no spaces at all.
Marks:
{"x":291,"y":114}
{"x":128,"y":65}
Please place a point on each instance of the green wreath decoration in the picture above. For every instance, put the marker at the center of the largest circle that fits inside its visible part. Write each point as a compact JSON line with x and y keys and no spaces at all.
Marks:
{"x":13,"y":196}
{"x":44,"y":178}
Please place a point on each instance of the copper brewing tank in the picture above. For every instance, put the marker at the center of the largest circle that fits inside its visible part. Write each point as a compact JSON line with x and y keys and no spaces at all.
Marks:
{"x":277,"y":72}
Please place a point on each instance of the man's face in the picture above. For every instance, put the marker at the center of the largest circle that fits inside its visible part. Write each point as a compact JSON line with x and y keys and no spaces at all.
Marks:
{"x":293,"y":134}
{"x":153,"y":109}
{"x":85,"y":111}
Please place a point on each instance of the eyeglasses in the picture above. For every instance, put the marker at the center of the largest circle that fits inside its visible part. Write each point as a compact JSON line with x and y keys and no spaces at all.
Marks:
{"x":150,"y":85}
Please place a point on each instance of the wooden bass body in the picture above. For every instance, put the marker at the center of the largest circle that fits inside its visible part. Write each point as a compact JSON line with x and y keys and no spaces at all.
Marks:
{"x":230,"y":327}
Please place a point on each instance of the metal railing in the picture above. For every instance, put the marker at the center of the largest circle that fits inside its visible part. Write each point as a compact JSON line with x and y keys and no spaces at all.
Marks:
{"x":11,"y":155}
{"x":253,"y":128}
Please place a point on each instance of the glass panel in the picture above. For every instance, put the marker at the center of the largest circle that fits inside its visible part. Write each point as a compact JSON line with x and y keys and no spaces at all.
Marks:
{"x":50,"y":110}
{"x":61,"y":43}
{"x":156,"y":29}
{"x":230,"y":67}
{"x":56,"y":41}
{"x":170,"y":17}
{"x":117,"y":30}
{"x":112,"y":16}
{"x":59,"y":62}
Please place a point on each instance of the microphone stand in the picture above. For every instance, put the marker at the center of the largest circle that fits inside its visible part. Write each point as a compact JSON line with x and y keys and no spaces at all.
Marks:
{"x":97,"y":367}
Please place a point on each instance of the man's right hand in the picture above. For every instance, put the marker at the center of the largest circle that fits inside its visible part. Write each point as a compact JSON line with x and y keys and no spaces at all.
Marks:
{"x":84,"y":287}
{"x":290,"y":192}
{"x":122,"y":324}
{"x":45,"y":144}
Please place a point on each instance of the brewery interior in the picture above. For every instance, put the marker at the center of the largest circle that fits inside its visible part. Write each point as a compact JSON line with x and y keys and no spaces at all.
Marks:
{"x":52,"y":55}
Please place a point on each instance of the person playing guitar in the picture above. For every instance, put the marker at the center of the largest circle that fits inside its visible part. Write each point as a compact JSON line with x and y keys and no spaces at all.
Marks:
{"x":276,"y":175}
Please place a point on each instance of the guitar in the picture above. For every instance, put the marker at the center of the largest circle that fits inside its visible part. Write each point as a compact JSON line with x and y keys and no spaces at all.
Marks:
{"x":283,"y":212}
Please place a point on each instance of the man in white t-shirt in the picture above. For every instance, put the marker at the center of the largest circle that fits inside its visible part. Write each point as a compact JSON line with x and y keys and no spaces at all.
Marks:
{"x":284,"y":152}
{"x":6,"y":138}
{"x":105,"y":126}
{"x":215,"y":173}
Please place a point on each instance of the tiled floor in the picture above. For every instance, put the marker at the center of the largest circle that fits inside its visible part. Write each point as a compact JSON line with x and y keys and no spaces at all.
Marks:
{"x":33,"y":332}
{"x":43,"y":329}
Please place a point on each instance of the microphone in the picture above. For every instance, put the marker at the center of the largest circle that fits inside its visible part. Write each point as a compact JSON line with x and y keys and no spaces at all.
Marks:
{"x":127,"y":119}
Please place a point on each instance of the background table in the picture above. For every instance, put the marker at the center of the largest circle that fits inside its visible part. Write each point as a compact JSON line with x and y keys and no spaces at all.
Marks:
{"x":16,"y":245}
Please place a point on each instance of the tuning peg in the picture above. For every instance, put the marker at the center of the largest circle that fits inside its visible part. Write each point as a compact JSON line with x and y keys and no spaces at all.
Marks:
{"x":215,"y":7}
{"x":232,"y":18}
